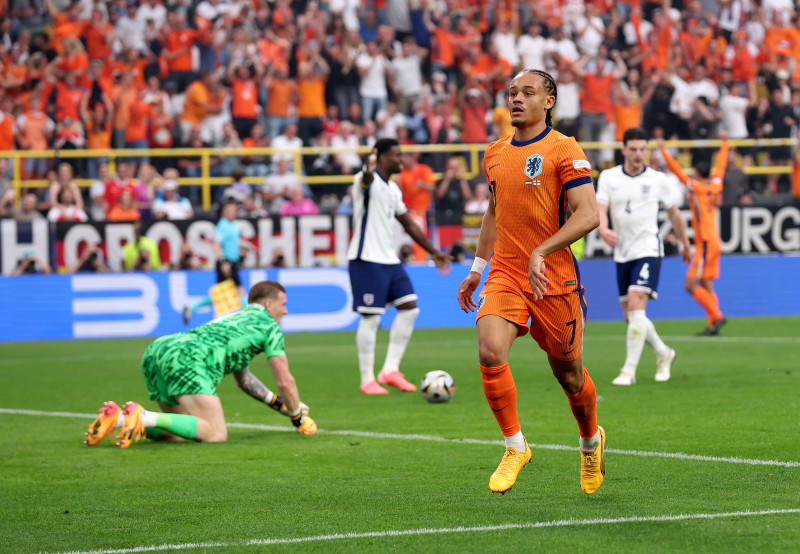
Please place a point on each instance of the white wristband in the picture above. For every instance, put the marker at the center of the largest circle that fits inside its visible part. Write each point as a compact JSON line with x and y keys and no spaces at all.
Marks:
{"x":478,"y":265}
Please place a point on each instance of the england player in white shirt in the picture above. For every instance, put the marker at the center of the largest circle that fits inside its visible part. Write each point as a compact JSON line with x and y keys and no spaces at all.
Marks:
{"x":377,"y":277}
{"x":631,"y":194}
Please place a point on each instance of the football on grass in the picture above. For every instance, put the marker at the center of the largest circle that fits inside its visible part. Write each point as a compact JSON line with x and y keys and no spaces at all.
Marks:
{"x":437,"y":386}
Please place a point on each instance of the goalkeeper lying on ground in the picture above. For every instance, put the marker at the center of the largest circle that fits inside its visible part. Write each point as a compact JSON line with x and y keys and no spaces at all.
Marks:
{"x":183,"y":370}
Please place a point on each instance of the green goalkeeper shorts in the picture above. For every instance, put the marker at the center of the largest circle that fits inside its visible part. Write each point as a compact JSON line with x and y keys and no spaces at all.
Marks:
{"x":175,"y":365}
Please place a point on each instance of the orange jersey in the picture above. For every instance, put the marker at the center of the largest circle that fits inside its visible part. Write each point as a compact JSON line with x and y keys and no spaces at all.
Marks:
{"x":244,"y":101}
{"x":703,"y":196}
{"x":416,"y":197}
{"x":529,"y":183}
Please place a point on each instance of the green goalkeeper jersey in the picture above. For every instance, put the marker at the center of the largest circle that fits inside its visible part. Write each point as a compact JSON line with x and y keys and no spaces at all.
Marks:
{"x":232,"y":341}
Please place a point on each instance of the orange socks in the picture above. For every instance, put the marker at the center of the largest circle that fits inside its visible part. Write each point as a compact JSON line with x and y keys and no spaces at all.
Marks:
{"x":501,"y":393}
{"x":709,"y":302}
{"x":584,"y":407}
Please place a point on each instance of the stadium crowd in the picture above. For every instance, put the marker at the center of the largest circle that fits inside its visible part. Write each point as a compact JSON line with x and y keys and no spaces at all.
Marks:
{"x":142,"y":74}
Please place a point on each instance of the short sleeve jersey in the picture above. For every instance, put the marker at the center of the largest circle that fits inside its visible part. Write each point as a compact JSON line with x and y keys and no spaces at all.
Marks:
{"x":633,"y":202}
{"x":374,"y":213}
{"x":233,"y":341}
{"x":529,"y":183}
{"x":228,"y":236}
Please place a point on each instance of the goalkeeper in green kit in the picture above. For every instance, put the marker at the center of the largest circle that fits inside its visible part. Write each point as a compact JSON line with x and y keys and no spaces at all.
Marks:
{"x":183,"y":370}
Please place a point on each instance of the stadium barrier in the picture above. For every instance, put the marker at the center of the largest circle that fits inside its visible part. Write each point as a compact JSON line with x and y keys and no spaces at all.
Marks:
{"x":321,"y":240}
{"x":472,"y":153}
{"x":127,"y":305}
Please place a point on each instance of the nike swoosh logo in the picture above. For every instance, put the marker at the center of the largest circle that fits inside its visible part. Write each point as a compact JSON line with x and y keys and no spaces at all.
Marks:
{"x":565,"y":353}
{"x":495,"y":165}
{"x":500,"y":409}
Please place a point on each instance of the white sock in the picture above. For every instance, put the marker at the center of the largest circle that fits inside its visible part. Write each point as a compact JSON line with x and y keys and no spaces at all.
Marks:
{"x":637,"y":332}
{"x":399,"y":335}
{"x":590,"y":444}
{"x":516,"y":441}
{"x":120,"y":419}
{"x":149,"y":419}
{"x":366,"y":337}
{"x":653,"y":339}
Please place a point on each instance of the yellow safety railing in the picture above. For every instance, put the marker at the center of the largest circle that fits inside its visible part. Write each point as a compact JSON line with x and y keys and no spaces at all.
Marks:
{"x":471,"y":151}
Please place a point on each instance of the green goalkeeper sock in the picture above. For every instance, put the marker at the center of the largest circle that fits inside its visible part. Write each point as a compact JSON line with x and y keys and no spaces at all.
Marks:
{"x":182,"y":425}
{"x":155,"y":433}
{"x":206,"y":301}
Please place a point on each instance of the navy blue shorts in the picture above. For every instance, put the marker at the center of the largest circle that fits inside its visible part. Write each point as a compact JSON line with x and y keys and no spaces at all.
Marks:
{"x":640,"y":275}
{"x":378,"y":286}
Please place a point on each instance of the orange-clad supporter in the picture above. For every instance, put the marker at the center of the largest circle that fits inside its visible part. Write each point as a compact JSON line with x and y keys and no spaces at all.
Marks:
{"x":124,"y":209}
{"x":597,"y":77}
{"x":244,"y":79}
{"x":256,"y":165}
{"x":178,"y":50}
{"x":442,"y":50}
{"x":123,"y":96}
{"x":741,"y":57}
{"x":501,"y":121}
{"x":627,"y":109}
{"x":704,"y":192}
{"x":204,"y":98}
{"x":550,"y":13}
{"x":274,"y":49}
{"x":466,"y":37}
{"x":68,"y":98}
{"x":312,"y":76}
{"x":36,"y":97}
{"x":282,"y":94}
{"x":7,"y":121}
{"x":136,"y":131}
{"x":74,"y":61}
{"x":796,"y":178}
{"x":98,"y":122}
{"x":65,"y":25}
{"x":490,"y":69}
{"x":34,"y":130}
{"x":416,"y":180}
{"x":13,"y":76}
{"x":474,"y":101}
{"x":99,"y":36}
{"x":542,"y":200}
{"x":159,"y":127}
{"x":131,"y":62}
{"x":282,"y":14}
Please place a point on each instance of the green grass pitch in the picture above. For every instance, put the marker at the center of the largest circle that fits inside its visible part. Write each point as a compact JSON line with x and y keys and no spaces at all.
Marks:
{"x":708,"y":462}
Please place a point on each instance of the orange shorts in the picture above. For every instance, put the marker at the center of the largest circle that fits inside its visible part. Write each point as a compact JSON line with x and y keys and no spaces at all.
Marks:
{"x":556,"y":322}
{"x":705,"y":262}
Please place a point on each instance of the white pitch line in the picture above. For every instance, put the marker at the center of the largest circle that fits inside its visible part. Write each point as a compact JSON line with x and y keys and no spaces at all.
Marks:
{"x":441,"y":531}
{"x":709,"y":340}
{"x":452,"y":343}
{"x":434,"y":438}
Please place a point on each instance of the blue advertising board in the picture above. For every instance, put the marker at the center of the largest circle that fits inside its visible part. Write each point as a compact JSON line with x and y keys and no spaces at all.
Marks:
{"x":121,"y":305}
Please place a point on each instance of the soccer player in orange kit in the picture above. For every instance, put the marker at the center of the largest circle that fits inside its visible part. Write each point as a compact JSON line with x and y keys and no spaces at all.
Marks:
{"x":704,"y":196}
{"x":542,"y":200}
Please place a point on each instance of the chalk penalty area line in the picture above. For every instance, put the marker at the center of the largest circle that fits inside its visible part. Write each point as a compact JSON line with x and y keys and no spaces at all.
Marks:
{"x":442,"y":531}
{"x":434,"y":438}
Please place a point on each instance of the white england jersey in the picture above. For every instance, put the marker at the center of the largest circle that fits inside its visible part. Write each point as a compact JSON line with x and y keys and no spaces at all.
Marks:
{"x":374,"y":213}
{"x":633,"y":204}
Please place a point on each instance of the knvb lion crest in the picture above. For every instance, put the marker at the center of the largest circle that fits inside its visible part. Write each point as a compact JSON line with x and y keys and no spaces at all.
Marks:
{"x":533,"y":169}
